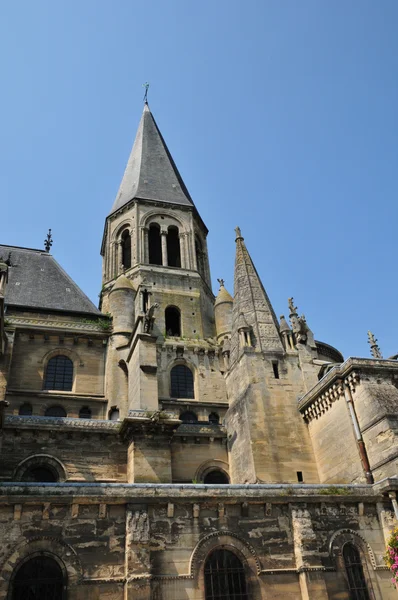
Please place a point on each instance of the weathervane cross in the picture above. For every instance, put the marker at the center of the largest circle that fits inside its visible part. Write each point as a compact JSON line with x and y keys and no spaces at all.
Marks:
{"x":146,"y":86}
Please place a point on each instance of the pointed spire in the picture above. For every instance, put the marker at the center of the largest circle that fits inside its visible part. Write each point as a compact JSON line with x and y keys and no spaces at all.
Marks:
{"x":151,"y":173}
{"x":374,"y":347}
{"x":283,"y":324}
{"x":252,"y":304}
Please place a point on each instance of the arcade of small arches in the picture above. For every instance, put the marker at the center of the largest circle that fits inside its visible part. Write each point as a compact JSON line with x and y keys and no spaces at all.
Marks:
{"x":164,"y":242}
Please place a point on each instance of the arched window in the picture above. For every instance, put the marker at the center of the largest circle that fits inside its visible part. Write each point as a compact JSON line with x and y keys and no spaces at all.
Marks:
{"x":214,"y":418}
{"x":40,"y":474}
{"x":173,"y":321}
{"x":39,"y":577}
{"x":199,"y":256}
{"x":188,"y":417}
{"x":59,"y":374}
{"x":25,"y":410}
{"x":224,"y":577}
{"x":355,"y":574}
{"x":173,"y":247}
{"x":55,"y":411}
{"x":216,"y":477}
{"x":155,"y":245}
{"x":126,"y":249}
{"x":85,"y":413}
{"x":181,"y":382}
{"x":114,"y":414}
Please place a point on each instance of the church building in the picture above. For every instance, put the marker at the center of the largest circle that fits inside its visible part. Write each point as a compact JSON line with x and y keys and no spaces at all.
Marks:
{"x":176,"y":445}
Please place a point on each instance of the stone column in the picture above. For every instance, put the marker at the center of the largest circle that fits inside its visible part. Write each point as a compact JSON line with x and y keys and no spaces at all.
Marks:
{"x":182,"y":250}
{"x":308,"y":562}
{"x":145,"y":245}
{"x":163,"y":235}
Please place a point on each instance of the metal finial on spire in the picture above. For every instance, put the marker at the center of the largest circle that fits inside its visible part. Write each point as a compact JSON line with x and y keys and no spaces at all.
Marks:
{"x":221,"y":282}
{"x":146,"y":86}
{"x":374,"y":347}
{"x":48,"y":242}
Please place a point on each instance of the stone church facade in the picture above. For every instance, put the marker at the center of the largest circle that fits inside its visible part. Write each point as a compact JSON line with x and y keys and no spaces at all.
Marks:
{"x":176,"y":445}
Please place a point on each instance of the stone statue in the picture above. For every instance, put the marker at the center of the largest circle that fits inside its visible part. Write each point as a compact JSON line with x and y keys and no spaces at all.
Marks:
{"x":149,"y":318}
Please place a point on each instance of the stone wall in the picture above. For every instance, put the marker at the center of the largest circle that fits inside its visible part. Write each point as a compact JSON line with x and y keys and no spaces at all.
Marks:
{"x":154,"y":544}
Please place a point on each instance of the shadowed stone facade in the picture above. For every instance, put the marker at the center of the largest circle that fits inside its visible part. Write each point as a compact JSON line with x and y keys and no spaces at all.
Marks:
{"x":172,"y":440}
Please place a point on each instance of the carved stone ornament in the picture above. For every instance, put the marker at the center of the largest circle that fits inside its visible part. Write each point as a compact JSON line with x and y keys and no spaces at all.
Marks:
{"x":140,"y":527}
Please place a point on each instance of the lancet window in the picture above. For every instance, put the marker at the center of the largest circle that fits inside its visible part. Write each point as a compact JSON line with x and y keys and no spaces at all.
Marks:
{"x":173,"y":247}
{"x":155,"y":245}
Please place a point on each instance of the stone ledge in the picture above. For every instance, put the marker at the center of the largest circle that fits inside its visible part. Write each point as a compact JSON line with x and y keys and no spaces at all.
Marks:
{"x":62,"y":423}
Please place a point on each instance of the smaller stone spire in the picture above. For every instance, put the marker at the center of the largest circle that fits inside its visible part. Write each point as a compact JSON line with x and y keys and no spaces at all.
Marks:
{"x":374,"y":347}
{"x":283,"y":325}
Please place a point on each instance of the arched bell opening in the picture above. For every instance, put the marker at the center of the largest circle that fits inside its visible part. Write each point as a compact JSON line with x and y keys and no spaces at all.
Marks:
{"x":173,"y":247}
{"x":126,"y":249}
{"x":173,"y":321}
{"x":155,"y":245}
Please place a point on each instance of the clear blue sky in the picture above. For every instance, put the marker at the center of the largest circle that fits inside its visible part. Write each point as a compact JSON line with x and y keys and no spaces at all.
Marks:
{"x":281,"y":116}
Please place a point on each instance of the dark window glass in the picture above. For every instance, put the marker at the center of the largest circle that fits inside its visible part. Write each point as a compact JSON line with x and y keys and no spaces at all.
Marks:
{"x":181,"y":382}
{"x":216,"y":477}
{"x":225,"y":577}
{"x":25,"y":409}
{"x":55,"y":411}
{"x":173,"y":321}
{"x":355,"y":574}
{"x":126,"y":249}
{"x":214,"y":418}
{"x":85,"y":413}
{"x":59,"y":374}
{"x":155,"y":245}
{"x":40,"y":578}
{"x":40,"y":474}
{"x":173,"y":247}
{"x":188,"y":417}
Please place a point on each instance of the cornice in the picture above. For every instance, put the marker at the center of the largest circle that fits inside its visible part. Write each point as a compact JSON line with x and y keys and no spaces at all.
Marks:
{"x":61,"y":424}
{"x":35,"y":322}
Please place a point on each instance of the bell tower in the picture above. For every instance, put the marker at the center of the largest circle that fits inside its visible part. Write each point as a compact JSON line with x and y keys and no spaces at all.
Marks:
{"x":157,"y":287}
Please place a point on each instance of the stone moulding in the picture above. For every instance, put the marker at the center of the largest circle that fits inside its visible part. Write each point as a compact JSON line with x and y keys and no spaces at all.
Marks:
{"x":48,"y":544}
{"x":368,"y":547}
{"x":324,"y":401}
{"x":62,"y":423}
{"x":200,"y":551}
{"x":46,"y":324}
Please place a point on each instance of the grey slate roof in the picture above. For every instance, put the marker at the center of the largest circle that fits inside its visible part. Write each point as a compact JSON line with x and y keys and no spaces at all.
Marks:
{"x":36,"y":280}
{"x":151,"y":173}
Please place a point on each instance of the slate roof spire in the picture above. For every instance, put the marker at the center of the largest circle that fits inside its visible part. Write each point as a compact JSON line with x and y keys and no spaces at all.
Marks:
{"x":251,"y":300}
{"x":151,"y":173}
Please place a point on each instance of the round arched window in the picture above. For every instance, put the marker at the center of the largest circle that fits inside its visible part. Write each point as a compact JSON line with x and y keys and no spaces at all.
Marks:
{"x":188,"y":417}
{"x":59,"y":374}
{"x":40,"y":577}
{"x":181,"y":382}
{"x":224,"y":576}
{"x":216,"y":477}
